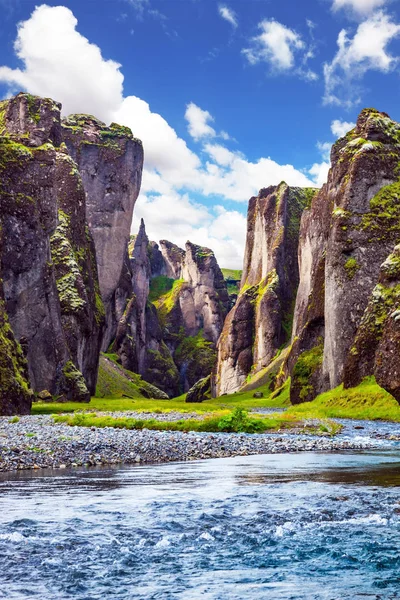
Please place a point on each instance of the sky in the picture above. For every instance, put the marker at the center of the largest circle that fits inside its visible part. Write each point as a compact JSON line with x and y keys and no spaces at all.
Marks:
{"x":227,"y":97}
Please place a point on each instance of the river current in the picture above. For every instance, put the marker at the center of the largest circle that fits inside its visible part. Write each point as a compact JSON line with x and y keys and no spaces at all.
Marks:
{"x":298,"y":526}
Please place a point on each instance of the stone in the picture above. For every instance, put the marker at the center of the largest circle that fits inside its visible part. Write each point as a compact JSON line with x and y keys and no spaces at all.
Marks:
{"x":200,"y":391}
{"x":260,"y":321}
{"x":110,"y":161}
{"x":49,"y":269}
{"x":45,"y":395}
{"x":258,"y":395}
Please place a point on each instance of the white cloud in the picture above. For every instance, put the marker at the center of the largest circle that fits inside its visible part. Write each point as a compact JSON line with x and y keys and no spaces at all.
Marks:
{"x":198,"y":122}
{"x":367,"y":50}
{"x":228,"y":14}
{"x":319,"y":172}
{"x":325,"y":150}
{"x":276,"y":45}
{"x":59,"y":62}
{"x":175,"y":217}
{"x":340,"y":128}
{"x":165,"y":152}
{"x":62,"y":64}
{"x":362,"y":7}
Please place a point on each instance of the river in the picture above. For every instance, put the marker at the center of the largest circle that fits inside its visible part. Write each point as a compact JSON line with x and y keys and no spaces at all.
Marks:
{"x":284,"y":526}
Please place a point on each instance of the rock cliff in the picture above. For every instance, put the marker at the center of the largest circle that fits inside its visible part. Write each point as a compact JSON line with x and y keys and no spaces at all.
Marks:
{"x":349,"y":231}
{"x":48,"y":262}
{"x":110,"y":161}
{"x":171,"y":325}
{"x":260,"y":322}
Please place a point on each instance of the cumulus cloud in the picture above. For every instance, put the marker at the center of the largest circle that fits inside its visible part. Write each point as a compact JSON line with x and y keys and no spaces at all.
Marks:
{"x":276,"y":45}
{"x":367,"y":50}
{"x":174,"y":216}
{"x":228,"y":14}
{"x":319,"y":172}
{"x":361,"y":7}
{"x":199,"y":122}
{"x":340,"y":128}
{"x":61,"y":63}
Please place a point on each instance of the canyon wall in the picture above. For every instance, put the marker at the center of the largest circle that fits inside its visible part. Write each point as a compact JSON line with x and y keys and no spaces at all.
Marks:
{"x":48,"y":262}
{"x":260,"y":322}
{"x":172,"y":323}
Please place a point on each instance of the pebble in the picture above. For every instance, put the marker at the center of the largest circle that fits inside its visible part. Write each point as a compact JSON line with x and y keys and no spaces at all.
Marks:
{"x":61,"y":446}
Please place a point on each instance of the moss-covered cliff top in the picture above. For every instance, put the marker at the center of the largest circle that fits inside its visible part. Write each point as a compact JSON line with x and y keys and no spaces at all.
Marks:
{"x":81,"y":123}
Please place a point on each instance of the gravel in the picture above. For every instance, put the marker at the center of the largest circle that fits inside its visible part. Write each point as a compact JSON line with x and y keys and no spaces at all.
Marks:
{"x":36,"y":442}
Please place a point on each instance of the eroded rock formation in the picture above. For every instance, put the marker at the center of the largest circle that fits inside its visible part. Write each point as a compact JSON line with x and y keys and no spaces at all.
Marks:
{"x":48,"y":262}
{"x":260,"y":322}
{"x":170,"y":339}
{"x":110,"y":161}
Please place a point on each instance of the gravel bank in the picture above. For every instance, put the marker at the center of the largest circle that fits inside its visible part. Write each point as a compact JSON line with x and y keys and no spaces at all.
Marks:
{"x":36,"y":442}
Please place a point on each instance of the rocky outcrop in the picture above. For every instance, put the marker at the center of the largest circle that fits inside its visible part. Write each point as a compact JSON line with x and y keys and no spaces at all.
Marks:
{"x":110,"y":162}
{"x":350,"y":229}
{"x":375,"y":349}
{"x":171,"y":339}
{"x":15,"y":395}
{"x":260,"y":322}
{"x":200,"y":391}
{"x":173,"y":259}
{"x":364,"y":229}
{"x":48,"y":262}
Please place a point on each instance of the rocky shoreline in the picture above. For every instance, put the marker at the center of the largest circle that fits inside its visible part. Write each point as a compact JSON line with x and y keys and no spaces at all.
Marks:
{"x":36,"y":442}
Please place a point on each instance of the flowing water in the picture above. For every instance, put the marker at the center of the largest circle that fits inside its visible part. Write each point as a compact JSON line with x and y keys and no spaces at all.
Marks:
{"x":301,"y":526}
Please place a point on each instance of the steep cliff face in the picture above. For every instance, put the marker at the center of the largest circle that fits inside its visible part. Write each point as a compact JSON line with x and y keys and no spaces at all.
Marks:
{"x":210,"y":297}
{"x":48,"y":263}
{"x":169,"y":335}
{"x":260,"y":322}
{"x":364,"y":229}
{"x":350,"y":229}
{"x":15,"y":395}
{"x":110,"y":161}
{"x":375,"y":349}
{"x":173,"y":259}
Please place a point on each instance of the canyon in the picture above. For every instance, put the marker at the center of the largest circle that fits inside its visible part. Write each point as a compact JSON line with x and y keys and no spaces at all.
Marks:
{"x":319,"y":298}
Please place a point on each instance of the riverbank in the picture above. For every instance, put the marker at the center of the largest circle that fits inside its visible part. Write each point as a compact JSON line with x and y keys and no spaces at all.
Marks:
{"x":35,"y":442}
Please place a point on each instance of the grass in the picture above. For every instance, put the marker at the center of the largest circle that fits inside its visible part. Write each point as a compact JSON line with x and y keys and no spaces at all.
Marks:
{"x":366,"y":401}
{"x":232,"y":274}
{"x":159,"y":286}
{"x":243,"y":400}
{"x":236,"y":421}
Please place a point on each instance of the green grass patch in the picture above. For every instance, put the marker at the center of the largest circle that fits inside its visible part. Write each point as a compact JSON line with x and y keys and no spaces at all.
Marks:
{"x":243,"y":400}
{"x":366,"y":401}
{"x":238,"y":421}
{"x":232,"y":274}
{"x":159,"y":286}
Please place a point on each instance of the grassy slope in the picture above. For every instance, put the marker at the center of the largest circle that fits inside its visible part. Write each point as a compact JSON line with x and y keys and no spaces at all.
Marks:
{"x":366,"y":401}
{"x":240,"y":400}
{"x":232,"y":274}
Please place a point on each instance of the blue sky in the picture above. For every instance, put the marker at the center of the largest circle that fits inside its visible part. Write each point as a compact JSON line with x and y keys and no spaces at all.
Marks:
{"x":228,"y":97}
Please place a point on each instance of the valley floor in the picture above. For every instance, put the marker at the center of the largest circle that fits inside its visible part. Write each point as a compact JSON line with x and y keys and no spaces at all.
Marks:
{"x":34,"y":442}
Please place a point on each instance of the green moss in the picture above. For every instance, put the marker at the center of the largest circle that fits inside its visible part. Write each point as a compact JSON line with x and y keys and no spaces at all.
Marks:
{"x":167,"y":302}
{"x":73,"y":376}
{"x":159,"y":286}
{"x":351,"y":266}
{"x":33,"y":107}
{"x":269,"y":284}
{"x":306,"y":365}
{"x":13,"y":366}
{"x":384,"y":214}
{"x":3,"y":110}
{"x":366,"y":401}
{"x":68,"y":276}
{"x":13,"y":154}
